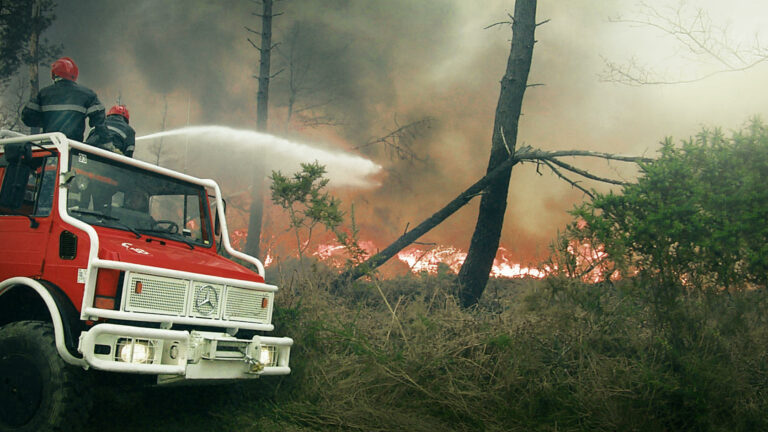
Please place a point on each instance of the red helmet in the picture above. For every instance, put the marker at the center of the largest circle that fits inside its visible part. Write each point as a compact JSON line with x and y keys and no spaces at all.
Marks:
{"x":120,"y":110}
{"x":64,"y":67}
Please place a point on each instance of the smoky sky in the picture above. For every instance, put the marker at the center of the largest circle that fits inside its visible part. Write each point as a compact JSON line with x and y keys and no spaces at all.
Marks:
{"x":360,"y":69}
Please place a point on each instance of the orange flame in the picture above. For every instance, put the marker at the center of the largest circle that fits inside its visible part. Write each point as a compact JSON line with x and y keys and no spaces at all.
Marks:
{"x":591,"y":264}
{"x":420,"y":260}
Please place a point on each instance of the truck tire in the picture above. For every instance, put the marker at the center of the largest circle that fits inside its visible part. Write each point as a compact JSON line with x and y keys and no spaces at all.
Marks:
{"x":38,"y":390}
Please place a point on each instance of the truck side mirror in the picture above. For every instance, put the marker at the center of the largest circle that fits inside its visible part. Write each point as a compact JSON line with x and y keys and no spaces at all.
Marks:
{"x":17,"y":158}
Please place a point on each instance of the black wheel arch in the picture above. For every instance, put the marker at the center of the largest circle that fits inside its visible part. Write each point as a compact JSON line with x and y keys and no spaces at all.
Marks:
{"x":20,"y":302}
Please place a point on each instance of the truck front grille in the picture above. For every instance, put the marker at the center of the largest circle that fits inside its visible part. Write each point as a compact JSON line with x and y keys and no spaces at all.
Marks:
{"x":155,"y":294}
{"x":247,"y":305}
{"x":180,"y":297}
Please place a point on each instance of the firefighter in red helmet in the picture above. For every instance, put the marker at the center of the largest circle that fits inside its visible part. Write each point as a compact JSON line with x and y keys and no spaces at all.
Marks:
{"x":64,"y":105}
{"x":121,"y":136}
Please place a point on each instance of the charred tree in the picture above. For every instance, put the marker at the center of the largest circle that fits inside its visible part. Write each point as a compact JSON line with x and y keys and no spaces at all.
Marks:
{"x":252,"y":244}
{"x":475,"y":271}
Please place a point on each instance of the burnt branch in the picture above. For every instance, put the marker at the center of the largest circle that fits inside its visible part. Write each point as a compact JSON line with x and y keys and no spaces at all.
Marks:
{"x":497,"y":24}
{"x":510,"y":22}
{"x":566,"y":179}
{"x":399,"y":142}
{"x":262,"y":15}
{"x":528,"y":153}
{"x":583,"y":173}
{"x":276,"y":73}
{"x":552,"y":159}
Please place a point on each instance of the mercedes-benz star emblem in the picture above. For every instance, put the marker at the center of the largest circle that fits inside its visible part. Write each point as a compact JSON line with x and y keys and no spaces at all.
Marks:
{"x":206,"y":300}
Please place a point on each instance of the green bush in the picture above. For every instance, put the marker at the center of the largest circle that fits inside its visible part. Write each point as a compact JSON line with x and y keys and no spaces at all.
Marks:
{"x":696,"y":216}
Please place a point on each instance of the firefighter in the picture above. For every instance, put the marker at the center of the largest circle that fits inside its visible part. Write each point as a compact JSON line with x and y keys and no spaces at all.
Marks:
{"x":121,"y":136}
{"x":64,"y":105}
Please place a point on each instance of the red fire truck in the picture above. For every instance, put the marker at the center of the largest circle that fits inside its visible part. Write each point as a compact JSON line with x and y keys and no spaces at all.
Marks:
{"x":114,"y":264}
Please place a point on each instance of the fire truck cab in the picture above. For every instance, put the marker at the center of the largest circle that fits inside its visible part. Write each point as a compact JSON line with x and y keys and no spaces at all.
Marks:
{"x":111,"y":263}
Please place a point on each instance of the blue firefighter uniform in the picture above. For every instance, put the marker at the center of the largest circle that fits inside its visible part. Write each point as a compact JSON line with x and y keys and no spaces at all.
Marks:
{"x":121,"y":135}
{"x":63,"y":107}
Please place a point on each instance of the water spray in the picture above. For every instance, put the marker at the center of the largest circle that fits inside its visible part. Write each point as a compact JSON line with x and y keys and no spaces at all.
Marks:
{"x":242,"y":148}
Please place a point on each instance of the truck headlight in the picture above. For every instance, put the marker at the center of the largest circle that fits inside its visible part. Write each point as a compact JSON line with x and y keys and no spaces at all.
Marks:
{"x":267,"y":355}
{"x":135,"y":350}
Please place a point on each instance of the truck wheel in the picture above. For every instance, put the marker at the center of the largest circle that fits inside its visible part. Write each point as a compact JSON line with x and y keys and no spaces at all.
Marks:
{"x":38,"y":390}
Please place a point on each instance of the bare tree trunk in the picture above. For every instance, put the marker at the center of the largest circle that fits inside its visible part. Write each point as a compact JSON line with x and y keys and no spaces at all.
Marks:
{"x":34,"y":38}
{"x":252,"y":244}
{"x":475,"y":271}
{"x":262,"y":98}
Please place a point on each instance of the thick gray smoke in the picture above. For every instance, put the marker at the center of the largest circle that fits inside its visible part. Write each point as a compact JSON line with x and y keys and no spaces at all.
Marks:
{"x":361,"y":68}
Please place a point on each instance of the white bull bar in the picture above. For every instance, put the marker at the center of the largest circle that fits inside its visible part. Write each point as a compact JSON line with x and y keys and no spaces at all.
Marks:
{"x":197,"y":357}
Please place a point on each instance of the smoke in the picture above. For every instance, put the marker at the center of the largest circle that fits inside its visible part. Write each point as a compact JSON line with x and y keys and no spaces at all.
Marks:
{"x":357,"y":70}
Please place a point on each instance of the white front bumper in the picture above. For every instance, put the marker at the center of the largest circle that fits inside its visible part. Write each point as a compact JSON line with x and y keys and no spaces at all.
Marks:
{"x":185,"y":355}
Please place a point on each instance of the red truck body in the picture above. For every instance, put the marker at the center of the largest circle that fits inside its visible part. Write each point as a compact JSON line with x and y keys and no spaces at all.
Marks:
{"x":121,"y":259}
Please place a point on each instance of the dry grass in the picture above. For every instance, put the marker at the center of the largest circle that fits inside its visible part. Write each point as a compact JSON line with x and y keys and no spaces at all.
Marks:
{"x":558,"y":355}
{"x":546,"y":356}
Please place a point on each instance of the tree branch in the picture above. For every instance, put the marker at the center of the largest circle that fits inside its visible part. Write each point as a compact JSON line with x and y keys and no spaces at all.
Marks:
{"x":399,"y":141}
{"x":583,"y":173}
{"x":528,"y":153}
{"x":571,"y":182}
{"x":510,"y":22}
{"x":276,"y":73}
{"x":696,"y":33}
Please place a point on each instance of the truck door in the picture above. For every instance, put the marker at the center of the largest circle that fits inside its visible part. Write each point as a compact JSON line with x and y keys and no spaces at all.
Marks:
{"x":24,"y":232}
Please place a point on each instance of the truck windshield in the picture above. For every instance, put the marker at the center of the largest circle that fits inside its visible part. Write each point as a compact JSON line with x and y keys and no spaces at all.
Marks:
{"x":108,"y":193}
